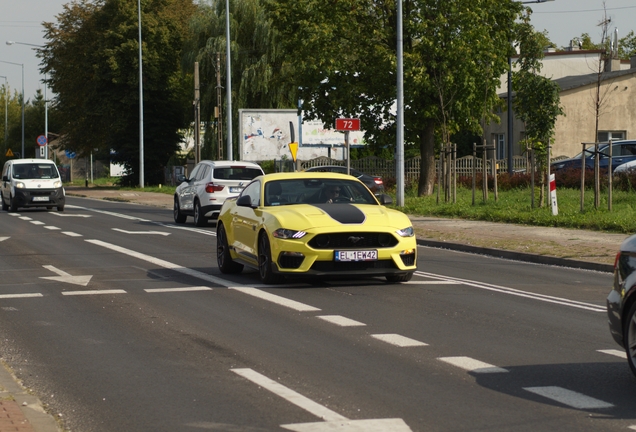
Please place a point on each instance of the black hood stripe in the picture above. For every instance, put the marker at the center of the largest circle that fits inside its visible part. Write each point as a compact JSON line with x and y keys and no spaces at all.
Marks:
{"x":343,"y":213}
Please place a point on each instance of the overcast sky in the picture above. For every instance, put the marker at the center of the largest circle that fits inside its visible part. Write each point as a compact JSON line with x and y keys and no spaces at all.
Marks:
{"x":21,"y":21}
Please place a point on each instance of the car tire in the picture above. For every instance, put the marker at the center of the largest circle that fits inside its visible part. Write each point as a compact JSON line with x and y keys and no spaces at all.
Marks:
{"x":178,"y":216}
{"x":629,"y":335}
{"x":223,"y":256}
{"x":399,"y":278}
{"x":199,"y":219}
{"x":60,"y":208}
{"x":265,"y":262}
{"x":13,"y":204}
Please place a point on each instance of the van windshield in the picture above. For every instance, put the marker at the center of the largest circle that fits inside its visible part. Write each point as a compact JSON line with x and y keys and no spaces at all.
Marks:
{"x":31,"y":171}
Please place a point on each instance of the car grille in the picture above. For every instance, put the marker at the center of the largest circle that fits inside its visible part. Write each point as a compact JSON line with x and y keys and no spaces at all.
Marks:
{"x":408,"y":259}
{"x":334,"y":266}
{"x":353,"y":240}
{"x":290,"y":262}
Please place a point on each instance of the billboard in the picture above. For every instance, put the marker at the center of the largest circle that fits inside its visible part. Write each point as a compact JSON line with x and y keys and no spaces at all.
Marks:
{"x":265,"y":135}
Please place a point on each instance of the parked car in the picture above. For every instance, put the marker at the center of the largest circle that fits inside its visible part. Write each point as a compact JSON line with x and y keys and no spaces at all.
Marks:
{"x":374,"y":183}
{"x":210,"y":184}
{"x":626,"y":168}
{"x":622,"y":152}
{"x":314,"y":225}
{"x":31,"y":183}
{"x":621,"y":301}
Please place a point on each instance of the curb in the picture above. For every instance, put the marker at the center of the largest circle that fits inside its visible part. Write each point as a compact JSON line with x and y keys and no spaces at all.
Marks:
{"x":518,"y":256}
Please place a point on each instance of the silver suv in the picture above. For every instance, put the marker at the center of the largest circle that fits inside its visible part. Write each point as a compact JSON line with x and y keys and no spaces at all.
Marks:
{"x":210,"y":184}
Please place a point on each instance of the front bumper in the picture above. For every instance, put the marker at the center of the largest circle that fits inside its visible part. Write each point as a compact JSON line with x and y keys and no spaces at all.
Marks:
{"x":39,"y":197}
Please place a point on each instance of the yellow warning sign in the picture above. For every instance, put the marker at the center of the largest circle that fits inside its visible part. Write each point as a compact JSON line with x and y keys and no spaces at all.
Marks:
{"x":293,"y":148}
{"x":9,"y":153}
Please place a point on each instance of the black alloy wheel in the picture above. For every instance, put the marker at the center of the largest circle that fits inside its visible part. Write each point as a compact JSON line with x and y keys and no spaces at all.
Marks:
{"x":630,"y":338}
{"x":223,"y":257}
{"x":176,"y":210}
{"x":199,"y":219}
{"x":265,"y":262}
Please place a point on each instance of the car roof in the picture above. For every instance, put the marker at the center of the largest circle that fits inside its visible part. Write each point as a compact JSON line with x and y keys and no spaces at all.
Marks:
{"x":30,"y":161}
{"x":306,"y":175}
{"x":229,"y":163}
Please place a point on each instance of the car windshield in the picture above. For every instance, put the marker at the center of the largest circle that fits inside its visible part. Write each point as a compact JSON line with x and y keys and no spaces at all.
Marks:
{"x":33,"y":171}
{"x":316,"y":191}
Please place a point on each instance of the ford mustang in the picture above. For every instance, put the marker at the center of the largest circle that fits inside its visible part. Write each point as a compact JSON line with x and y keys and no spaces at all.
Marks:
{"x":314,"y":224}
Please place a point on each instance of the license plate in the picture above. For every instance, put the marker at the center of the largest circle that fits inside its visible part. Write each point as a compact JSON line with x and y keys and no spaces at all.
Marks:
{"x":40,"y":198}
{"x":358,"y":255}
{"x":235,"y":189}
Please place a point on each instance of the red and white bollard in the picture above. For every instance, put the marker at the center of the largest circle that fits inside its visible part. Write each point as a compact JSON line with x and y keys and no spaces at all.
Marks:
{"x":553,"y":199}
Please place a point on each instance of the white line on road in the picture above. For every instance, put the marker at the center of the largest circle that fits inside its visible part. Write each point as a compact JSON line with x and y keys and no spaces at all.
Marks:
{"x":397,"y":340}
{"x":282,"y":301}
{"x":472,"y":365}
{"x":439,"y":282}
{"x":341,"y":321}
{"x":119,"y":215}
{"x":50,"y":227}
{"x":289,"y":395}
{"x":3,"y":238}
{"x":614,"y":352}
{"x":14,"y":214}
{"x":164,"y":290}
{"x":568,"y":397}
{"x":34,"y":222}
{"x":9,"y":296}
{"x":141,"y":232}
{"x":93,"y":292}
{"x":26,"y":218}
{"x":71,"y":234}
{"x":71,"y":214}
{"x":519,"y":293}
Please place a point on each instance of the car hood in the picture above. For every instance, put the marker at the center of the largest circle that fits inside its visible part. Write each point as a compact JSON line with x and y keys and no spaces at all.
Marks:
{"x":343,"y":216}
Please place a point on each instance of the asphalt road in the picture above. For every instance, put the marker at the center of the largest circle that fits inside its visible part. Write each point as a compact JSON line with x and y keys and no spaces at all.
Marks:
{"x":119,"y":320}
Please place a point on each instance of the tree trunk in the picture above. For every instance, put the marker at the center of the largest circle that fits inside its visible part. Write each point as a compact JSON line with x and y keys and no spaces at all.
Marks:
{"x":427,"y":165}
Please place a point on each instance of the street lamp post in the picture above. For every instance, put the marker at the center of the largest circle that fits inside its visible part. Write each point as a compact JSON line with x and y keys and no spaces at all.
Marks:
{"x":141,"y":103}
{"x":46,"y":104}
{"x":6,"y":110}
{"x":510,"y":116}
{"x":229,"y":80}
{"x":20,"y":64}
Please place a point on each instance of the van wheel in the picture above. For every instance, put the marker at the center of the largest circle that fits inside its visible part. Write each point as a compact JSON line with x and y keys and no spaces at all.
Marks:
{"x":14,"y":204}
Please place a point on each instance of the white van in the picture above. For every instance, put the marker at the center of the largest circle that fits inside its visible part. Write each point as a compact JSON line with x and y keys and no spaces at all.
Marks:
{"x":31,"y":183}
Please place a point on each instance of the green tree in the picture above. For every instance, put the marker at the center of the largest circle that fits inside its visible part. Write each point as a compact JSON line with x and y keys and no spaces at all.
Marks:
{"x":344,"y":62}
{"x":627,"y":46}
{"x":256,"y":61}
{"x":91,"y":58}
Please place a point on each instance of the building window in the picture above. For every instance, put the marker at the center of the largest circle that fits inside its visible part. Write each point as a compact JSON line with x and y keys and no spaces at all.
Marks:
{"x":604,"y":136}
{"x":500,"y":142}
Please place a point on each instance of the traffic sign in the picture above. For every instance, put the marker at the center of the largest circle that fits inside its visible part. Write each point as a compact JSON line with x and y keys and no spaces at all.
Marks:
{"x":69,"y":154}
{"x":41,"y":140}
{"x":348,"y":124}
{"x":9,"y":153}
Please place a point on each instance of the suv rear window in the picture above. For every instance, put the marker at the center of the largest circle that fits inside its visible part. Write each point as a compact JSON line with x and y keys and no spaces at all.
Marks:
{"x":236,"y":173}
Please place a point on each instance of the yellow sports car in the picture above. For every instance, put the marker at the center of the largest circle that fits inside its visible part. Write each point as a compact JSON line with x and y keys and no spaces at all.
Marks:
{"x":314,"y":224}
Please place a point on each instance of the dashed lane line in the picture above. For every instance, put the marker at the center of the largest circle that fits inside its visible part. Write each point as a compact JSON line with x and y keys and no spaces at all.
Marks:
{"x":52,"y":228}
{"x":35,"y":222}
{"x":72,"y":234}
{"x":93,"y":292}
{"x":614,"y":352}
{"x":569,"y":397}
{"x":167,"y":290}
{"x":472,"y":365}
{"x":282,"y":301}
{"x":398,"y":340}
{"x":11,"y":296}
{"x":341,"y":321}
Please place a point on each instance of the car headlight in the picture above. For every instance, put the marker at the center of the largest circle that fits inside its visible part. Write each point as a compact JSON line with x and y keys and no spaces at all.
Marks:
{"x":406,"y":232}
{"x":283,"y":233}
{"x":57,"y":184}
{"x":19,"y":185}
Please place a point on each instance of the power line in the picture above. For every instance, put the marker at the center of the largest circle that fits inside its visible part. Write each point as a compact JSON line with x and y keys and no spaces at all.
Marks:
{"x":585,"y":10}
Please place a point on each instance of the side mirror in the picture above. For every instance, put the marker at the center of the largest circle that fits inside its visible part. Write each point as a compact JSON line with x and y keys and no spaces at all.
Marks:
{"x":385,"y":199}
{"x":244,"y":201}
{"x":181,"y":178}
{"x":5,"y":178}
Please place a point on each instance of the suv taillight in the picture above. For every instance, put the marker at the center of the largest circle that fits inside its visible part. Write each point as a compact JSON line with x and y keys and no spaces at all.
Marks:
{"x":377,"y":180}
{"x":618,"y":256}
{"x":211,"y":188}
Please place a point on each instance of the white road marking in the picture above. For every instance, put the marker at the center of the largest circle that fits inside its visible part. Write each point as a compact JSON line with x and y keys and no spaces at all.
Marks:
{"x":633,"y":427}
{"x":14,"y":214}
{"x":66,"y":277}
{"x":472,"y":365}
{"x":50,"y":227}
{"x":569,"y":397}
{"x":25,"y":218}
{"x":34,"y":222}
{"x":440,"y":282}
{"x":614,"y":352}
{"x":341,"y":321}
{"x":4,"y":238}
{"x":142,"y":232}
{"x":519,"y":293}
{"x":71,"y":214}
{"x":71,"y":234}
{"x":397,"y":340}
{"x":290,"y":395}
{"x":282,"y":301}
{"x":375,"y":425}
{"x":162,"y":263}
{"x":9,"y":296}
{"x":119,"y":215}
{"x":93,"y":292}
{"x":164,"y":290}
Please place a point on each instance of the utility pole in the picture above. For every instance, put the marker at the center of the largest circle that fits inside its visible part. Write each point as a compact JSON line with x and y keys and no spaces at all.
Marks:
{"x":197,"y":115}
{"x":218,"y":109}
